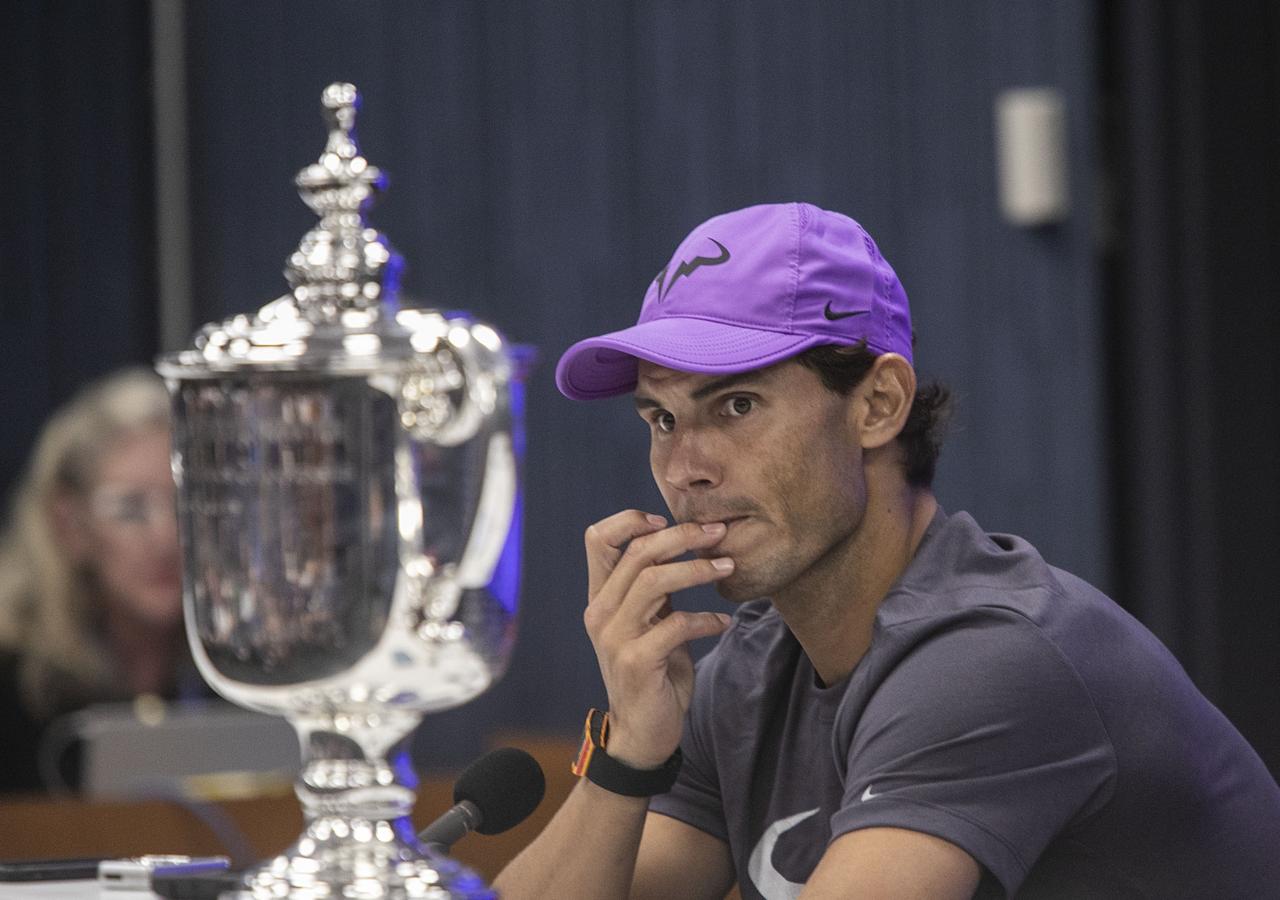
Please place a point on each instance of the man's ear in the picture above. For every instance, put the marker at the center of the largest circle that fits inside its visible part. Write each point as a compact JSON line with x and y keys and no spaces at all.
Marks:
{"x":888,"y":391}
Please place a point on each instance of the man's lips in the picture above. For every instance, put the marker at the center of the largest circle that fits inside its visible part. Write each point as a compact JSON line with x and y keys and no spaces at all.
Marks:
{"x":711,"y":520}
{"x":729,"y":523}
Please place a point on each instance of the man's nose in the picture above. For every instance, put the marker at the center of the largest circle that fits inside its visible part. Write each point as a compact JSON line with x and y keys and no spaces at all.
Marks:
{"x":691,"y":463}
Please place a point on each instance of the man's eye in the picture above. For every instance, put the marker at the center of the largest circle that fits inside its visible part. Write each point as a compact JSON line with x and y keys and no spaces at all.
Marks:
{"x":665,"y":422}
{"x":739,"y":406}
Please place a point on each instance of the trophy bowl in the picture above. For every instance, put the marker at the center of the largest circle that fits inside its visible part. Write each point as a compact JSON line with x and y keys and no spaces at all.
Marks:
{"x":349,"y":505}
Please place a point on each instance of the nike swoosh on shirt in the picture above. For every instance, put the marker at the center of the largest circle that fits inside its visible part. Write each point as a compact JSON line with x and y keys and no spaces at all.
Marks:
{"x":768,"y":880}
{"x":867,"y":795}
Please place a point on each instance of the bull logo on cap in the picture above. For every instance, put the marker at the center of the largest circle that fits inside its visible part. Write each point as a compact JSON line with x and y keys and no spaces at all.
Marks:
{"x":688,"y":267}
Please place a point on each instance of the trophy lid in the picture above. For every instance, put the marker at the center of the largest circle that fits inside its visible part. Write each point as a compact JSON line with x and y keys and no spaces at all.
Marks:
{"x":341,"y":314}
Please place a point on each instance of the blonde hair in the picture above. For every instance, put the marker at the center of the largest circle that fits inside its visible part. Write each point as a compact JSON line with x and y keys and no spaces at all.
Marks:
{"x":47,"y":609}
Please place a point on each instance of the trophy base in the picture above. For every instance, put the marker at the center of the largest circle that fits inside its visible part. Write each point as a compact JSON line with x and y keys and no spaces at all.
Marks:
{"x":362,"y":858}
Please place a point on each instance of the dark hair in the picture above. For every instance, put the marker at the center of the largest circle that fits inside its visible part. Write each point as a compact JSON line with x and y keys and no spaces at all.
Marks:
{"x":842,"y":368}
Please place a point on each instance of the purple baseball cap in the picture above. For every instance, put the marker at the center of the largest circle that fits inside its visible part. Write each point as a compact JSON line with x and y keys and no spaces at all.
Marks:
{"x":748,"y":289}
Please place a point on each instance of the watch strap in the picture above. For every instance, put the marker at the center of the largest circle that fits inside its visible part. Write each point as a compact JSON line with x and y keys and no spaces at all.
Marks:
{"x":598,"y":767}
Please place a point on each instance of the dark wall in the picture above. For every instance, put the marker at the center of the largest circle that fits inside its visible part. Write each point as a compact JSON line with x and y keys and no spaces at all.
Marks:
{"x":77,"y":293}
{"x":1193,"y":90}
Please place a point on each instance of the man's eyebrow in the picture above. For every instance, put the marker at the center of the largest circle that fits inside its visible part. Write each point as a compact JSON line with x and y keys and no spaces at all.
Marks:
{"x":719,"y":384}
{"x":711,"y":387}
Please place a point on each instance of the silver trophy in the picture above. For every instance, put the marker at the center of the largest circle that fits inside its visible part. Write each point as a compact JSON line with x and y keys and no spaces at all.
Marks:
{"x":349,"y":494}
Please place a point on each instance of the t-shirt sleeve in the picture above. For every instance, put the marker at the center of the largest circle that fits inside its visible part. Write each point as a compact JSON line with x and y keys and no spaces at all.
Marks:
{"x":695,"y":798}
{"x":982,"y":734}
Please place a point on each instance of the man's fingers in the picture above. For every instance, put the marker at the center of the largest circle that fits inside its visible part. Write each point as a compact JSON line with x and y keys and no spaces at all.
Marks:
{"x":648,"y":596}
{"x":663,"y":611}
{"x":615,"y":620}
{"x":651,"y":655}
{"x":678,"y":629}
{"x":648,"y":550}
{"x":606,"y":539}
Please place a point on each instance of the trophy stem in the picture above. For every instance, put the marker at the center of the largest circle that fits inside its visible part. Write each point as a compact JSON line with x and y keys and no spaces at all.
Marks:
{"x":357,"y":793}
{"x":345,"y":768}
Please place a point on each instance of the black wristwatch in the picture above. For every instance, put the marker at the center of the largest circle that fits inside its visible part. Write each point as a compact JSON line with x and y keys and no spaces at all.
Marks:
{"x":598,"y":767}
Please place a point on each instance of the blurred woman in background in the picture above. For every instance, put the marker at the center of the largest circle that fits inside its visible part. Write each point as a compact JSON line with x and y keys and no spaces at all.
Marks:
{"x":90,"y":569}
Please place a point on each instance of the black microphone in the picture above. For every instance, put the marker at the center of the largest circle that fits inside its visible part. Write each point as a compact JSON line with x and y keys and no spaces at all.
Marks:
{"x":496,"y":792}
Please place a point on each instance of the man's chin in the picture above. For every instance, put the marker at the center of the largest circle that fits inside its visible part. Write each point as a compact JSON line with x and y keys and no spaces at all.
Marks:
{"x":737,"y":590}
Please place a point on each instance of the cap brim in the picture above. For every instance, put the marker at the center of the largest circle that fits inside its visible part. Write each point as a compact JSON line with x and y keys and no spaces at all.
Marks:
{"x":605,"y":366}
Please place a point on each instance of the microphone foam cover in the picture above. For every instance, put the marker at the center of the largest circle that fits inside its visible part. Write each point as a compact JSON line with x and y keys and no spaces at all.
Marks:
{"x":506,"y":785}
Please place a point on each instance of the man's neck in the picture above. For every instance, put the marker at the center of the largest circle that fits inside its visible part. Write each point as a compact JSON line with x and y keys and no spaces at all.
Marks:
{"x":832,"y":610}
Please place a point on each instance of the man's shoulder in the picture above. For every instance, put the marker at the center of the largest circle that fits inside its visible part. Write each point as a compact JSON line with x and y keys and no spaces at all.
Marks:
{"x":960,"y":568}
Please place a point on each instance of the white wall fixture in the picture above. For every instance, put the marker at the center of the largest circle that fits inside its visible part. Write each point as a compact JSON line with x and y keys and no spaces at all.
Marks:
{"x":1031,"y":156}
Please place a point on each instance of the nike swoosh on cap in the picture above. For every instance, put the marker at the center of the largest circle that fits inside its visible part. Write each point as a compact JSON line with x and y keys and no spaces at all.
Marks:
{"x":836,"y":316}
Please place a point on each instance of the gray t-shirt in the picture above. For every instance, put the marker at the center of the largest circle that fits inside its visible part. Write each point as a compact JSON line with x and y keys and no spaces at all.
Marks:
{"x":1005,"y":706}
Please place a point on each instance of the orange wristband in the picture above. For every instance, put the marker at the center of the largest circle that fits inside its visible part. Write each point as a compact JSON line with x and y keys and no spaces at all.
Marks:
{"x":598,"y":767}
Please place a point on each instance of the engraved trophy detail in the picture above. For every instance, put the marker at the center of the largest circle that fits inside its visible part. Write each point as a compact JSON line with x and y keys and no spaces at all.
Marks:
{"x":349,"y":495}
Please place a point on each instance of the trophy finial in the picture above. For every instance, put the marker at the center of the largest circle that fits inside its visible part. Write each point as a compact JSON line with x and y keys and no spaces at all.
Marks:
{"x":341,"y":102}
{"x":340,"y":95}
{"x":342,"y":264}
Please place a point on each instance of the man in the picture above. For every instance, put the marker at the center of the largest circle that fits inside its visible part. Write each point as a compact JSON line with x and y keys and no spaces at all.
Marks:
{"x":902,"y":705}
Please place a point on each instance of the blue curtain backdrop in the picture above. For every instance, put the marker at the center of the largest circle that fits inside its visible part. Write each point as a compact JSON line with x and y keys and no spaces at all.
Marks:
{"x":1192,"y":93}
{"x":545,"y":159}
{"x":77,"y":285}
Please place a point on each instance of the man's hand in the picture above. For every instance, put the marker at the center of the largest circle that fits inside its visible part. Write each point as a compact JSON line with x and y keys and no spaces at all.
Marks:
{"x":639,"y":640}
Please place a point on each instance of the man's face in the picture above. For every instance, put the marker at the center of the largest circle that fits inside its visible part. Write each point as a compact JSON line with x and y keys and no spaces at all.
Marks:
{"x":772,"y":453}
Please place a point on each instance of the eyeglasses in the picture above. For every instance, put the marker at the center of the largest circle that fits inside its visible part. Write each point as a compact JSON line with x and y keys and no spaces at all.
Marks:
{"x":136,"y":507}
